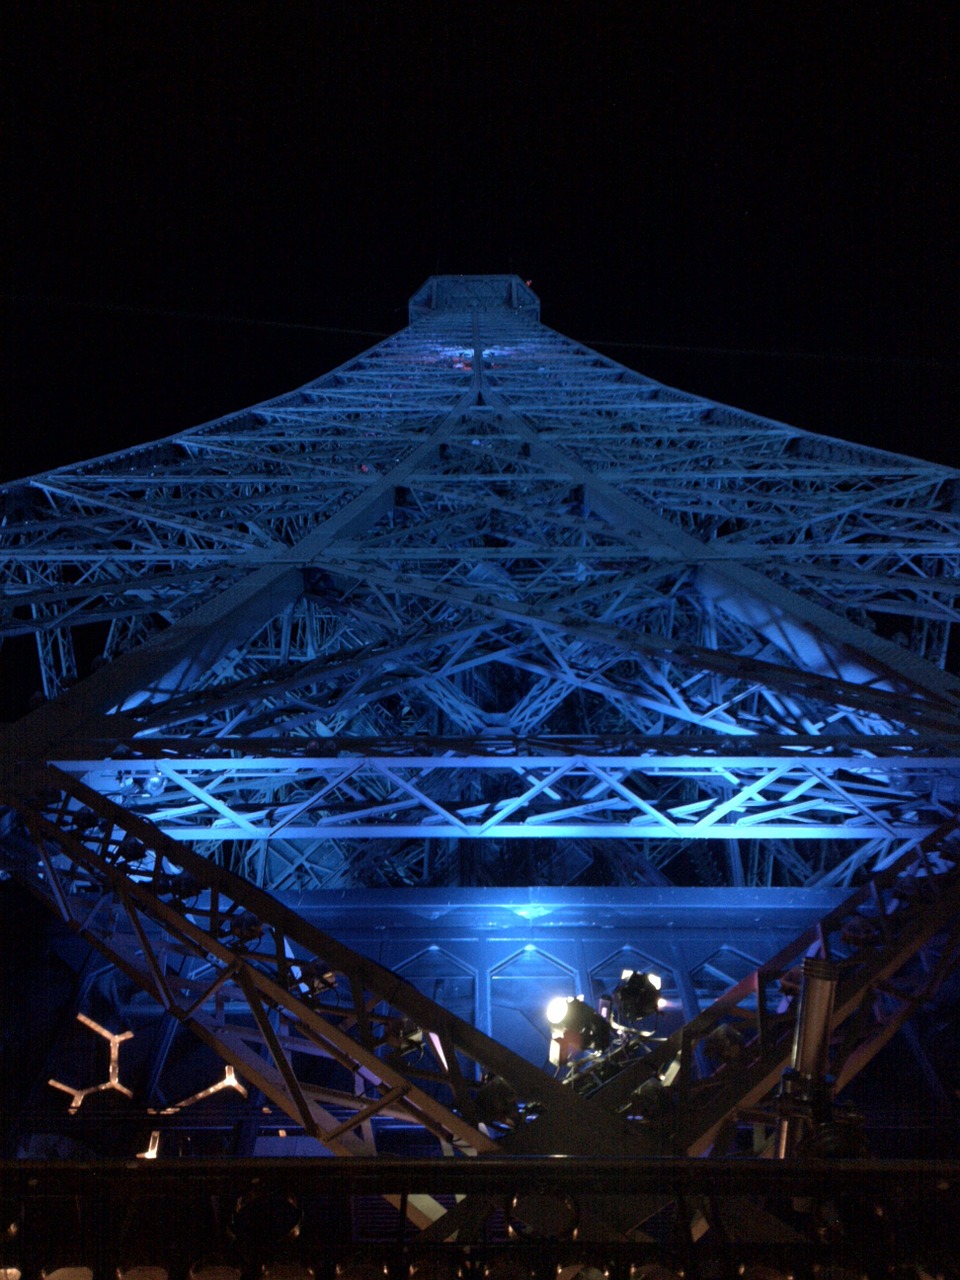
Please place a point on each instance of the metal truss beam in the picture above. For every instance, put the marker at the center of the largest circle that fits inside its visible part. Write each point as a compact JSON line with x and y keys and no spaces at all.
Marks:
{"x":224,"y":958}
{"x":271,"y":995}
{"x":896,"y":940}
{"x":379,"y":795}
{"x":481,"y":532}
{"x":511,"y":368}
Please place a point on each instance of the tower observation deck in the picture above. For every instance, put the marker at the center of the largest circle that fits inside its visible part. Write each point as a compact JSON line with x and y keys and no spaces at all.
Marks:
{"x":494,"y":664}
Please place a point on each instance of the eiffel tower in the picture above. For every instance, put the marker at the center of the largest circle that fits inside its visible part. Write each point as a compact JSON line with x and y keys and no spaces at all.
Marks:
{"x":474,"y":672}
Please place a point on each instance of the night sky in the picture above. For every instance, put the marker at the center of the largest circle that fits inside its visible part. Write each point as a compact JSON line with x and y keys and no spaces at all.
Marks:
{"x":759,"y":202}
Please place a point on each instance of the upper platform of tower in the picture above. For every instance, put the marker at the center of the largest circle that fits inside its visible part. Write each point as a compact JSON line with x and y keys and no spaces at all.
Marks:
{"x":469,"y":293}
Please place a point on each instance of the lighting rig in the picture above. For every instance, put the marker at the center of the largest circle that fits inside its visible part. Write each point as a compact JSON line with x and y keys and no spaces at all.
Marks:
{"x":577,"y":1029}
{"x":635,"y":998}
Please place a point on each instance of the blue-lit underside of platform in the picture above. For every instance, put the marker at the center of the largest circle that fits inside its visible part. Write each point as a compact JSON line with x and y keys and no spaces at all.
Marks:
{"x":496,"y":959}
{"x":480,"y":611}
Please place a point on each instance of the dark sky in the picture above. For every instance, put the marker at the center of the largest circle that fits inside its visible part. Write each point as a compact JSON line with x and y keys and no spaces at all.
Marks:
{"x":771,"y":190}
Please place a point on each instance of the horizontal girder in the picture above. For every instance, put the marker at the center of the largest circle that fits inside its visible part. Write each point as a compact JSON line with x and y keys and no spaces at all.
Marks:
{"x":570,"y":796}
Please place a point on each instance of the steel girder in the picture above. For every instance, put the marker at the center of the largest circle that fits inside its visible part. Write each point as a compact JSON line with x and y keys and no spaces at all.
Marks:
{"x":484,"y":583}
{"x":577,"y":796}
{"x":296,"y":1013}
{"x":895,"y":940}
{"x":271,"y":994}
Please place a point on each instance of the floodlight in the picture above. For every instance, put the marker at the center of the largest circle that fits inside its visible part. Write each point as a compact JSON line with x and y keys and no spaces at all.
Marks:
{"x":557,"y":1010}
{"x":576,"y":1029}
{"x":637,"y":996}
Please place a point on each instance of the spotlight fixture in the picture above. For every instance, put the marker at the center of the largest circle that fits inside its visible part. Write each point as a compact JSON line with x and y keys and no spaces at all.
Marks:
{"x":84,"y":819}
{"x":637,"y":996}
{"x":543,"y":1216}
{"x":576,"y":1029}
{"x":557,"y":1010}
{"x":130,"y":849}
{"x":176,"y":884}
{"x":577,"y":1268}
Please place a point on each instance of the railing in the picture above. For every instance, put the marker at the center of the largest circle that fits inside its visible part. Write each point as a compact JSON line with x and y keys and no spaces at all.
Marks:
{"x":327,"y":1217}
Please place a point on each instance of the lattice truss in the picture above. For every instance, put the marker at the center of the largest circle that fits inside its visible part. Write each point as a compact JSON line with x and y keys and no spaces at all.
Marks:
{"x":343,"y":1046}
{"x":481,"y":587}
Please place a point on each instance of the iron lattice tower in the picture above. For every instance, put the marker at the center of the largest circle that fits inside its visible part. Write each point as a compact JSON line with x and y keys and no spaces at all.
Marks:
{"x":480,"y":622}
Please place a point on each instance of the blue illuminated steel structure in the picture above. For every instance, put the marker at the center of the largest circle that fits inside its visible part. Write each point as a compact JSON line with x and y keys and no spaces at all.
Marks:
{"x":479,"y":613}
{"x":482,"y":584}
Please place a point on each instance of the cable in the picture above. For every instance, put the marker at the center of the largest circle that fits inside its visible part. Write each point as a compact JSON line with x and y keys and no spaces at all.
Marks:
{"x":215,"y":318}
{"x":173,"y":313}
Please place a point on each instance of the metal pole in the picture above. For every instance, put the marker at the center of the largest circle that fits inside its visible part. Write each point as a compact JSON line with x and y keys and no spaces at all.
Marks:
{"x":805,"y":1088}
